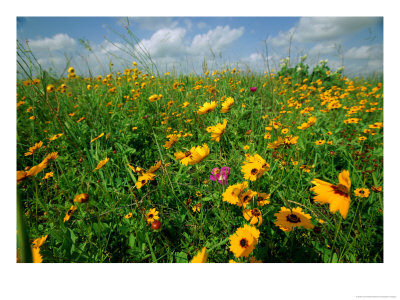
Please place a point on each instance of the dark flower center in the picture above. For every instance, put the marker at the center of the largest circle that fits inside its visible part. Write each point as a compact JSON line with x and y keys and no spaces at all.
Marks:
{"x":361,"y":192}
{"x":151,"y":216}
{"x":292,"y":218}
{"x":254,"y":171}
{"x":188,"y":153}
{"x":255,"y":212}
{"x":340,"y":189}
{"x":244,"y":243}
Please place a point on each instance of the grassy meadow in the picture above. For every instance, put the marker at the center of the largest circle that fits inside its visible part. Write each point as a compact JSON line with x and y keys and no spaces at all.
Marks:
{"x":229,"y":166}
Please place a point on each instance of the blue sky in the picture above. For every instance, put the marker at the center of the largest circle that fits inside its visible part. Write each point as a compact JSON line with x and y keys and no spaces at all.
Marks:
{"x":185,"y":43}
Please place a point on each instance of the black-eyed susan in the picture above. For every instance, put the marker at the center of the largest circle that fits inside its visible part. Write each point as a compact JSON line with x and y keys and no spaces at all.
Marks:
{"x":152,"y":215}
{"x":338,"y":196}
{"x":254,"y":216}
{"x":128,"y":216}
{"x":245,"y":198}
{"x":362,"y":192}
{"x":291,"y":218}
{"x":101,"y":164}
{"x":207,"y":107}
{"x":244,"y":240}
{"x":320,"y":142}
{"x":70,"y":212}
{"x":200,"y":257}
{"x":186,"y":158}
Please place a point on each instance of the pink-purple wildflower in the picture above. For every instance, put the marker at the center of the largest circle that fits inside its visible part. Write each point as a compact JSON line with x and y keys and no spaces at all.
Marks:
{"x":220,"y":175}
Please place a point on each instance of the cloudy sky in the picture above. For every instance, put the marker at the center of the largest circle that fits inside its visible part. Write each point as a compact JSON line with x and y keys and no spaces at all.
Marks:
{"x":184,"y":44}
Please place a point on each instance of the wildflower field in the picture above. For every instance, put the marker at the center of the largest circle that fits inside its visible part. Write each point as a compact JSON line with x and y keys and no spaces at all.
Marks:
{"x":229,"y":166}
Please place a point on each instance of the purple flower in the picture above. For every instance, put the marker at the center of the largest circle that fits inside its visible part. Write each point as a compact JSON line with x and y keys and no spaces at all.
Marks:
{"x":253,"y":89}
{"x":220,"y":175}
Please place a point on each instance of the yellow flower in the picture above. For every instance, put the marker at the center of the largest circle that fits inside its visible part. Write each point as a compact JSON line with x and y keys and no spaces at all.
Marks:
{"x":50,"y":88}
{"x":244,"y":240}
{"x":97,"y":137}
{"x":254,"y":167}
{"x":101,"y":164}
{"x":207,"y":107}
{"x":217,"y":131}
{"x":129,"y":215}
{"x":291,"y":218}
{"x":48,"y":175}
{"x":338,"y":196}
{"x":320,"y":142}
{"x":254,"y":216}
{"x":233,"y":192}
{"x":152,"y":215}
{"x":227,"y":105}
{"x":143,"y":179}
{"x":263,"y":199}
{"x":172,"y":139}
{"x":69,"y":212}
{"x":362,"y":193}
{"x":36,"y":244}
{"x":34,"y":148}
{"x":200,"y":257}
{"x":55,"y":137}
{"x":81,"y":198}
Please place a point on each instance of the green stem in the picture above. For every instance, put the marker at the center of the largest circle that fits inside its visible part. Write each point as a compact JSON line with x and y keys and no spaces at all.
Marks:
{"x":336,"y":234}
{"x":348,"y":234}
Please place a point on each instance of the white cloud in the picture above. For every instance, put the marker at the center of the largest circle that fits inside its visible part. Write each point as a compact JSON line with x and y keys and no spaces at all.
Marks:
{"x":323,"y":49}
{"x":364,"y":52}
{"x":330,"y":28}
{"x":216,"y":40}
{"x":60,"y":41}
{"x":165,"y":42}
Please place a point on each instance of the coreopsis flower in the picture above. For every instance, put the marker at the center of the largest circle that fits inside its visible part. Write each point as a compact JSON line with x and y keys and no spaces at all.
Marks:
{"x":338,"y":196}
{"x":362,"y":193}
{"x":196,"y":207}
{"x":220,"y":175}
{"x":21,"y":175}
{"x":152,"y":215}
{"x":50,"y":88}
{"x":254,"y":167}
{"x":352,"y":121}
{"x":291,"y":218}
{"x":129,"y":215}
{"x":311,"y":121}
{"x":81,"y":198}
{"x":244,"y":240}
{"x":101,"y":164}
{"x":320,"y":142}
{"x":172,"y":139}
{"x":185,"y":157}
{"x":97,"y":137}
{"x":54,"y":137}
{"x":34,"y":148}
{"x":143,"y":179}
{"x":254,"y":216}
{"x":233,"y":192}
{"x":36,"y":244}
{"x":376,"y":189}
{"x":263,"y":199}
{"x":70,"y":212}
{"x":207,"y":107}
{"x":227,"y":105}
{"x":200,"y":153}
{"x":200,"y":257}
{"x":153,"y":98}
{"x":217,"y":130}
{"x":245,"y":198}
{"x":48,"y":175}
